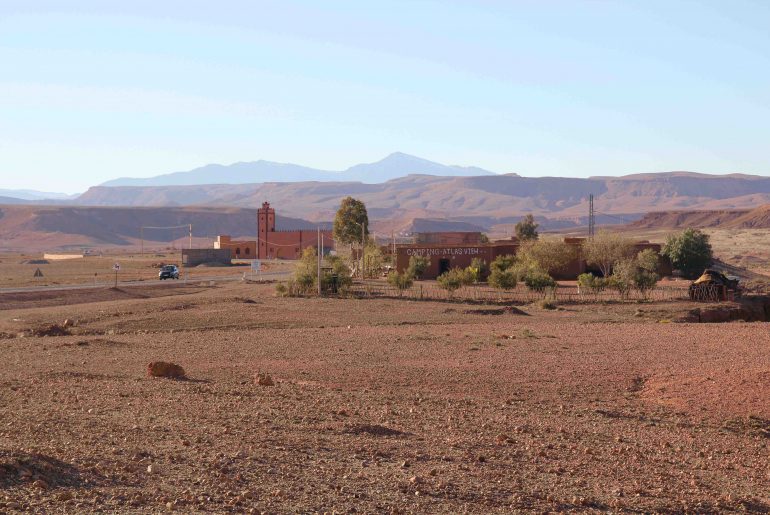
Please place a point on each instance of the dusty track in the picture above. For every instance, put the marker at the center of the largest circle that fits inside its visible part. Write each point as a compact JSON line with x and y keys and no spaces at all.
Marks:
{"x":380,"y":406}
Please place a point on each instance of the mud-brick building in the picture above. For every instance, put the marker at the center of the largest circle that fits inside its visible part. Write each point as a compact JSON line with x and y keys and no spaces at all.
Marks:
{"x":272,"y":243}
{"x":444,"y":257}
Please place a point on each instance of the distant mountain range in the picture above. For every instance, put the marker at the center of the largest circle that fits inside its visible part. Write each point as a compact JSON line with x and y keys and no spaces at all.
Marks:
{"x":393,"y":166}
{"x":21,"y":195}
{"x":499,"y":196}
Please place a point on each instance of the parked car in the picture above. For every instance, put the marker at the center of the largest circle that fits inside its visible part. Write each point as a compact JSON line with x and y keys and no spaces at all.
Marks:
{"x":168,"y":272}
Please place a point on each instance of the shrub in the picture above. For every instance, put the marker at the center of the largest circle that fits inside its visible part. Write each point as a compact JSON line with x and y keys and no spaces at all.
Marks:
{"x":644,"y":281}
{"x":591,"y":284}
{"x":281,"y":289}
{"x":502,"y":263}
{"x":547,"y":304}
{"x":401,"y":281}
{"x":622,"y":278}
{"x":502,"y":279}
{"x":452,"y":280}
{"x":478,"y":269}
{"x":648,"y":260}
{"x":689,"y":252}
{"x":418,"y":265}
{"x":339,"y":278}
{"x":539,"y":281}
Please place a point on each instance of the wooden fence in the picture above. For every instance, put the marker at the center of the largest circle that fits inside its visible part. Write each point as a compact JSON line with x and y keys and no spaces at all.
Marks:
{"x":521,"y":294}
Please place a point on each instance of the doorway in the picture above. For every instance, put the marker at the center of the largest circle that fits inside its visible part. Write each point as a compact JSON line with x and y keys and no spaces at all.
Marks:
{"x":443,"y":266}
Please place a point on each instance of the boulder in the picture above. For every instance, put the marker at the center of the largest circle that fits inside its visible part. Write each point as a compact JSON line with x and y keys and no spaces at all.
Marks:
{"x":164,"y":369}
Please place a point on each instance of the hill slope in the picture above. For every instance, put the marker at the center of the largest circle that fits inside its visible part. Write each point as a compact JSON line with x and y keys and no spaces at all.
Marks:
{"x":47,"y":227}
{"x":440,"y":196}
{"x":724,"y":219}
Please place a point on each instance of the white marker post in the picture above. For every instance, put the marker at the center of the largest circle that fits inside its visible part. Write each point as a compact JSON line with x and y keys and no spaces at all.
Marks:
{"x":116,"y":267}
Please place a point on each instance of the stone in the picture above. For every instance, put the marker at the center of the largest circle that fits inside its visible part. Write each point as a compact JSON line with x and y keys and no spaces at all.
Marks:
{"x":264,"y":379}
{"x":164,"y":369}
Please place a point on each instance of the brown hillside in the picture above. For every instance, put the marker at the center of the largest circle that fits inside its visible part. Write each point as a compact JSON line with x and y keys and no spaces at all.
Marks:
{"x":449,"y":197}
{"x":723,"y":219}
{"x":49,"y":227}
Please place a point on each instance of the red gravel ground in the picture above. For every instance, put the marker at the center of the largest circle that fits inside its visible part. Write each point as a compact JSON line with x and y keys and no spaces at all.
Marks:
{"x":379,"y":406}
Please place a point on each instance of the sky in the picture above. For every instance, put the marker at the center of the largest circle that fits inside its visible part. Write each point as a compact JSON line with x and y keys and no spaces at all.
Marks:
{"x":94,"y":90}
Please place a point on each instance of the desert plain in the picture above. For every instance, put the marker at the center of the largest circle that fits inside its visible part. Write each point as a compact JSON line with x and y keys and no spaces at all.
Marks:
{"x":378,"y":405}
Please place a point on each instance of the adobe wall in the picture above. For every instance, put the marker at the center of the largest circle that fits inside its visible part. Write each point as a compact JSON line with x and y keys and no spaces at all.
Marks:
{"x":290,"y":244}
{"x":445,"y":257}
{"x":195,"y":257}
{"x":460,"y":256}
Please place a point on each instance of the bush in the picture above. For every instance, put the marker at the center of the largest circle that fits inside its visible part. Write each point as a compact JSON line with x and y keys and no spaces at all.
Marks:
{"x":281,"y":289}
{"x":644,"y":281}
{"x":502,"y":263}
{"x":539,"y":281}
{"x":340,"y":277}
{"x":591,"y":284}
{"x":689,"y":252}
{"x":478,"y":270}
{"x":418,"y":265}
{"x":648,"y":260}
{"x":622,"y":278}
{"x":452,"y":280}
{"x":502,"y":279}
{"x":547,"y":304}
{"x":401,"y":281}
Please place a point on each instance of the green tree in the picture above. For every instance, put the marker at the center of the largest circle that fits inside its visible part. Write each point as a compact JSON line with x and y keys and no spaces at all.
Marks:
{"x":689,"y":252}
{"x":648,"y":260}
{"x":605,"y":249}
{"x":502,"y":279}
{"x":401,"y":281}
{"x":526,"y":228}
{"x":548,"y":255}
{"x":418,"y":265}
{"x":348,"y":221}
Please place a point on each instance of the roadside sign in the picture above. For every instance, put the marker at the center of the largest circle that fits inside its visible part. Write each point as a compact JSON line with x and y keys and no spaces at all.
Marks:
{"x":116,"y":267}
{"x":38,"y":273}
{"x":256,"y":265}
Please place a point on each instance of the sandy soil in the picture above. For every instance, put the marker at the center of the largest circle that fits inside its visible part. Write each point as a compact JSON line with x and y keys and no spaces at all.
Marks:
{"x":380,"y":406}
{"x":18,"y":270}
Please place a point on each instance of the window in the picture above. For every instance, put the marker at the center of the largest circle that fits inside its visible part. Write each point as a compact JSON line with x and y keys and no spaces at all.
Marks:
{"x":248,"y":251}
{"x":238,"y":251}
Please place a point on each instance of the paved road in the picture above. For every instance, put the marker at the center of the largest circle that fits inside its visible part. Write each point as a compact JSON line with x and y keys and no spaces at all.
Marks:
{"x":196,"y":279}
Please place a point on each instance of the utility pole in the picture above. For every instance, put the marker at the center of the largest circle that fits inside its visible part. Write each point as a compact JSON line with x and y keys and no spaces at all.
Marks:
{"x":190,"y":235}
{"x":363,"y":246}
{"x":591,"y":217}
{"x":320,"y":250}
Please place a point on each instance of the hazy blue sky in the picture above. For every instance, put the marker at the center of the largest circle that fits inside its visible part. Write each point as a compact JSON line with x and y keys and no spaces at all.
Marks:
{"x":101,"y":89}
